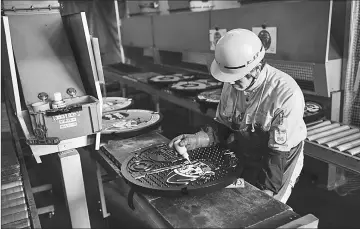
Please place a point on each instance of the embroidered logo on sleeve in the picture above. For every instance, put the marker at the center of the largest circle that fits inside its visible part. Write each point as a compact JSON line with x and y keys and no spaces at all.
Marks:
{"x":280,"y":136}
{"x":279,"y":119}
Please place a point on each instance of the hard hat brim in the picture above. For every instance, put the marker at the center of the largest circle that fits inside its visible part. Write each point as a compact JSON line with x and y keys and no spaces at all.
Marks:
{"x":232,"y":77}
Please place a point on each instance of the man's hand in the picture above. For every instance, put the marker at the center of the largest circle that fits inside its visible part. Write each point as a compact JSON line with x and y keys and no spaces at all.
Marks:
{"x":230,"y":139}
{"x":192,"y":141}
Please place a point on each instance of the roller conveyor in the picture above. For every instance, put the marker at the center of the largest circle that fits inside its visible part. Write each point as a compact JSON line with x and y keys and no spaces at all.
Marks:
{"x":15,"y":208}
{"x":334,"y":135}
{"x":335,"y":143}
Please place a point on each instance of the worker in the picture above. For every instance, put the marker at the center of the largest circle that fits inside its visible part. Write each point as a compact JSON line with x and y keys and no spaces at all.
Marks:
{"x":259,"y":116}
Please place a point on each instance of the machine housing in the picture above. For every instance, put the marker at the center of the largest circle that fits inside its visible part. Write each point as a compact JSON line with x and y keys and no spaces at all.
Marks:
{"x":46,"y":53}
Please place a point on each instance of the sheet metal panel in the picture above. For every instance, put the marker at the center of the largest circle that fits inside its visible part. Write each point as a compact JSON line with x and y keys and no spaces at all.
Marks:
{"x":302,"y":26}
{"x":137,"y":31}
{"x":186,"y":31}
{"x":79,"y":36}
{"x":27,"y":4}
{"x":178,"y":5}
{"x":8,"y":68}
{"x":133,"y":7}
{"x":44,"y":58}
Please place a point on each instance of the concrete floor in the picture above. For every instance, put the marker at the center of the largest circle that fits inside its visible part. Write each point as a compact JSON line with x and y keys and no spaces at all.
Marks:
{"x":333,"y":210}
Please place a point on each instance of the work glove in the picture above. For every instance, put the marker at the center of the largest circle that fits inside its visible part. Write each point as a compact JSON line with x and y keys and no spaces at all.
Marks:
{"x":192,"y":141}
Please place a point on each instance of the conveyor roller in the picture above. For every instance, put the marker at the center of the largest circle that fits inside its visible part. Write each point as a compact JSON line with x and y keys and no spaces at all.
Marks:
{"x":334,"y":135}
{"x":14,"y":207}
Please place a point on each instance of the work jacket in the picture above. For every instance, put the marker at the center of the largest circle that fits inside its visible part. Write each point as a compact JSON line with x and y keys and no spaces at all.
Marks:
{"x":267,"y":124}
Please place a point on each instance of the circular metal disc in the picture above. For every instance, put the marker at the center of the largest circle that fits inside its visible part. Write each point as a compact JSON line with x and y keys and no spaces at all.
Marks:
{"x":169,"y":79}
{"x":132,"y":120}
{"x":212,"y":96}
{"x":115,"y":103}
{"x":195,"y":85}
{"x":313,"y":111}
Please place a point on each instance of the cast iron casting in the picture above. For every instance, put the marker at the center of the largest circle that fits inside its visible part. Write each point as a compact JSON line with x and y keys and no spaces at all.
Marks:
{"x":194,"y":87}
{"x":139,"y":170}
{"x":313,"y":111}
{"x":146,"y":121}
{"x":166,"y":79}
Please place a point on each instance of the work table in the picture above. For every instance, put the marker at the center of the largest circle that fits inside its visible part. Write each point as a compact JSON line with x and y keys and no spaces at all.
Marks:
{"x":246,"y":207}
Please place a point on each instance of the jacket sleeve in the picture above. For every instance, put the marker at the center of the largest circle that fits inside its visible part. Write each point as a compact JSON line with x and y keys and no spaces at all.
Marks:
{"x":285,"y":133}
{"x":219,"y":130}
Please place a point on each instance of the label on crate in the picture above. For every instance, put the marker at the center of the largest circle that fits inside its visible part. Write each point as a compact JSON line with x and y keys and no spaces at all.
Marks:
{"x":66,"y":116}
{"x":68,"y":125}
{"x":67,"y":120}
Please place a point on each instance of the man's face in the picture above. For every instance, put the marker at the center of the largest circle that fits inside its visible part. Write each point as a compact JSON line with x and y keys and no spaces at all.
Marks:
{"x":243,"y":83}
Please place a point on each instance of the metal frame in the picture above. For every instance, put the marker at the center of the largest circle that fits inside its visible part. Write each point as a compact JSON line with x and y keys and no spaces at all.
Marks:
{"x":332,"y":157}
{"x":118,"y":23}
{"x":337,"y":103}
{"x":73,"y":183}
{"x":103,"y":210}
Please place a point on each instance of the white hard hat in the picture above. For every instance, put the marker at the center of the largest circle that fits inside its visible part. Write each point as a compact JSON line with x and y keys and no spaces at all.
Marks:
{"x":236,"y":54}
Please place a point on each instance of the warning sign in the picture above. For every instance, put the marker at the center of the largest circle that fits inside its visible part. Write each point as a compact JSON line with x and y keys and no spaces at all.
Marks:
{"x":268,"y":37}
{"x":215,"y":35}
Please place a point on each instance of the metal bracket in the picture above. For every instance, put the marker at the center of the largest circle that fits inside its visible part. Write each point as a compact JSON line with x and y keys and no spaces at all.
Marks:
{"x":44,"y":141}
{"x":40,"y":132}
{"x":101,"y":192}
{"x":131,"y":199}
{"x":30,"y":8}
